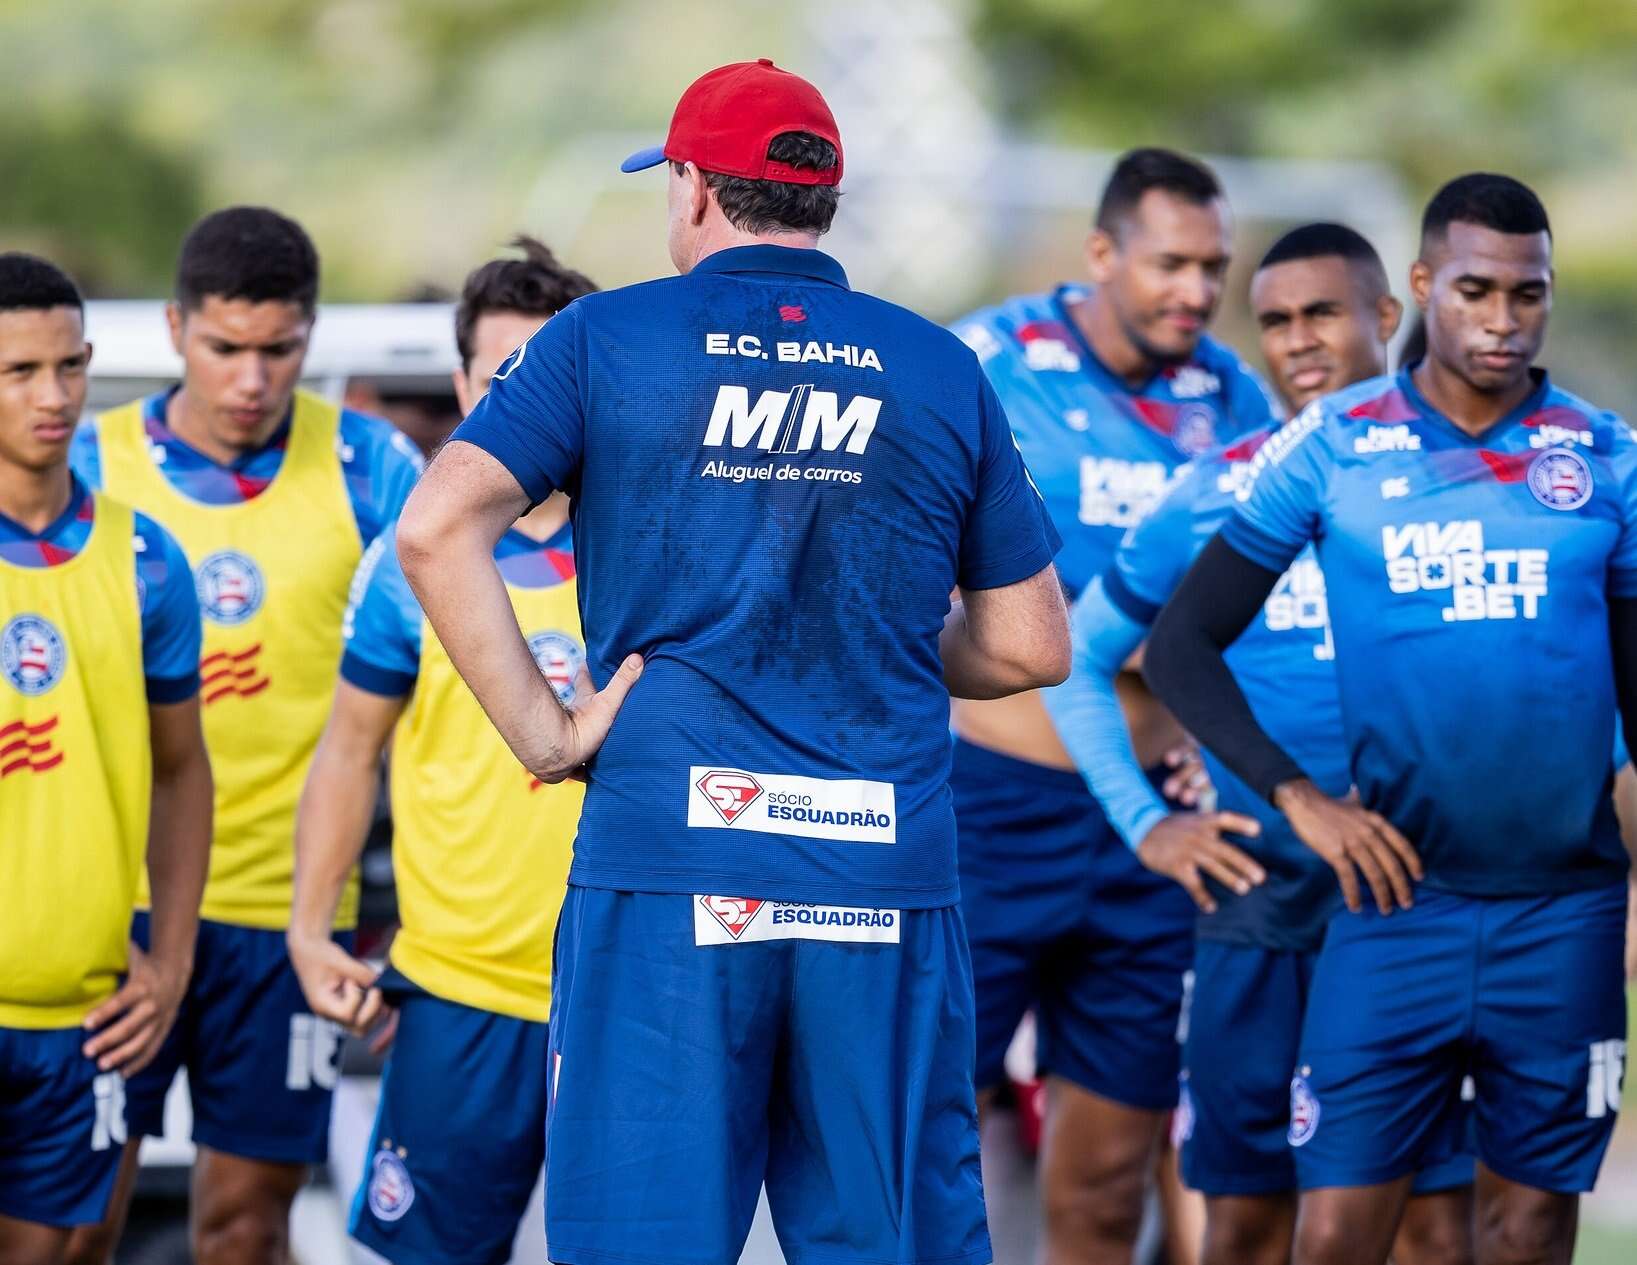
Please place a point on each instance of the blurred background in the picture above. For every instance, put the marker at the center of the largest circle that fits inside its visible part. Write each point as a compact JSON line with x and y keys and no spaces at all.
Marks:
{"x":413,"y":137}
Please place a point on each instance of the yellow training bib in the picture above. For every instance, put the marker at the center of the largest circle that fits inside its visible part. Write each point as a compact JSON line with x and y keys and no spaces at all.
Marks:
{"x":480,"y":849}
{"x":272,"y":575}
{"x":76,"y":774}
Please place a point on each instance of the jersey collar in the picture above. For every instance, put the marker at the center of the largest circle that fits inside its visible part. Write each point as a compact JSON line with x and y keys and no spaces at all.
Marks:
{"x":1530,"y":404}
{"x":789,"y":261}
{"x":159,"y":408}
{"x":77,"y":493}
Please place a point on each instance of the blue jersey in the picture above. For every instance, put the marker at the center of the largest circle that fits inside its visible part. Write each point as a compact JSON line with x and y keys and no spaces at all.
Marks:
{"x":1284,"y":663}
{"x":378,"y":462}
{"x":1101,"y":452}
{"x":776,"y":484}
{"x":384,"y":621}
{"x":1468,"y":584}
{"x":164,"y":586}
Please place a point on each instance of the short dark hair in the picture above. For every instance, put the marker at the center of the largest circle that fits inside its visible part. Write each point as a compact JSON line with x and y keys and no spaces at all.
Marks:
{"x":247,"y":252}
{"x":757,"y":206}
{"x":535,"y":285}
{"x":31,"y":284}
{"x":1488,"y":200}
{"x":1325,"y":239}
{"x":1140,"y":170}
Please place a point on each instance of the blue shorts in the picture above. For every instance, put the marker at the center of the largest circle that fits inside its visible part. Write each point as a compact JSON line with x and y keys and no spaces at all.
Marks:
{"x":460,"y":1133}
{"x":1242,"y":1031}
{"x":261,"y":1066}
{"x":62,"y":1128}
{"x":1526,"y":995}
{"x":1063,"y":918}
{"x":702,"y":1045}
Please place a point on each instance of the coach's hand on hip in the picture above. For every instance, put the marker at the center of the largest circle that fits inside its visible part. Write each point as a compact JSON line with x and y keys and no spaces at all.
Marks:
{"x":589,"y":718}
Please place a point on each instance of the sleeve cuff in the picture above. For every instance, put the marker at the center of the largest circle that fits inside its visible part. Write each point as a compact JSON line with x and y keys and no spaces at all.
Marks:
{"x":383,"y":681}
{"x":1139,"y":610}
{"x":1136,"y":831}
{"x":1265,"y":550}
{"x":503,"y":448}
{"x":172,"y":689}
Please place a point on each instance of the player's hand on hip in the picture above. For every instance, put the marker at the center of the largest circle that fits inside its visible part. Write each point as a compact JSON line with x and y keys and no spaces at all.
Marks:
{"x":128,"y":1029}
{"x":1188,"y":846}
{"x":1187,"y":782}
{"x":337,"y":986}
{"x":590,"y":716}
{"x":1354,"y":841}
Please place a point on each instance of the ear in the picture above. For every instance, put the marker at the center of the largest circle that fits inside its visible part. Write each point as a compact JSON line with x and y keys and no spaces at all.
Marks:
{"x":699,"y":195}
{"x":174,"y":320}
{"x":1099,"y":252}
{"x":463,"y":387}
{"x":88,"y":350}
{"x":1421,"y":283}
{"x":1389,"y":312}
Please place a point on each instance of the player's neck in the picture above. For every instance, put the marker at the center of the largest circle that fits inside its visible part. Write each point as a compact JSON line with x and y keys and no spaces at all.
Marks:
{"x":185,"y":416}
{"x":718,"y":234}
{"x":1469,"y":409}
{"x":546,"y":519}
{"x":34,"y":499}
{"x":1107,"y":339}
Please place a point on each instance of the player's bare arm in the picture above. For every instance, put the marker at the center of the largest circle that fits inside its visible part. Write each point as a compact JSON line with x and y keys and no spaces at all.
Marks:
{"x":1007,"y":640}
{"x":1217,"y":599}
{"x":446,"y":538}
{"x":331,"y":826}
{"x":128,"y":1029}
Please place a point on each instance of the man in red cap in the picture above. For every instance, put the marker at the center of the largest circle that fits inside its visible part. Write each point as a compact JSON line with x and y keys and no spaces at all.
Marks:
{"x":761,"y":973}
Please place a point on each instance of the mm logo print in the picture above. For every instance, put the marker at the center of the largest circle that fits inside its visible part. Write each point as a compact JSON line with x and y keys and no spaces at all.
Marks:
{"x":729,"y":792}
{"x":32,"y":654}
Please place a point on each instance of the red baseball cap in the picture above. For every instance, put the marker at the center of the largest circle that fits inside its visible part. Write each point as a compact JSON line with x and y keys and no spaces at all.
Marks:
{"x":726,"y":119}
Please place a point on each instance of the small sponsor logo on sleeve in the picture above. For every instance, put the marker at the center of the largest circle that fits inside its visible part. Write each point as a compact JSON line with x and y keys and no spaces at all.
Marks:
{"x":743,"y":920}
{"x":847,"y":809}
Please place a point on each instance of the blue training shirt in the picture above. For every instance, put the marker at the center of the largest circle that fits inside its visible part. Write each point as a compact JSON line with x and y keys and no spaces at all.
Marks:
{"x":1284,"y":663}
{"x":776,"y":484}
{"x":1101,"y":452}
{"x":1468,"y":584}
{"x":171,"y":630}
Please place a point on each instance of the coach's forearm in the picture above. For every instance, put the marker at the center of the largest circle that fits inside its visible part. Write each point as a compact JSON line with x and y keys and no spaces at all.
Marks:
{"x":1002,"y":641}
{"x":451,"y":568}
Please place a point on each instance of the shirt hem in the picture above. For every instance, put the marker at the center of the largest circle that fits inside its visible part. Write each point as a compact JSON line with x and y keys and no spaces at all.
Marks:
{"x":1017,"y":568}
{"x":797,"y":892}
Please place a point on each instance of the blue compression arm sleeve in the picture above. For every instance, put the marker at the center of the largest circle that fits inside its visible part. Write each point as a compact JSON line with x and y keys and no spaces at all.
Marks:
{"x":1087,"y":714}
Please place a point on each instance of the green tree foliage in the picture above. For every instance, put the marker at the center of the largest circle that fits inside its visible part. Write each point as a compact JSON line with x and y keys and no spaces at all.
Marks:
{"x":110,"y":215}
